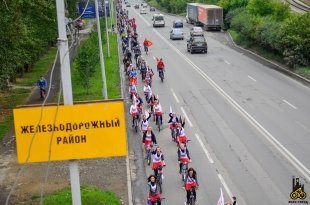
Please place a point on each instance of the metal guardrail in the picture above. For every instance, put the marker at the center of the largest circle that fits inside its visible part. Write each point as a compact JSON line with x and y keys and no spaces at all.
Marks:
{"x":298,"y":5}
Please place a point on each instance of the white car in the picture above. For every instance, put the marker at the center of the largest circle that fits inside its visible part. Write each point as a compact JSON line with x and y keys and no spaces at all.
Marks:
{"x":143,"y":11}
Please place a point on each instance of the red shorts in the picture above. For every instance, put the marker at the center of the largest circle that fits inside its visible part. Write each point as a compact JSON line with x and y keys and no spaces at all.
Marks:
{"x":191,"y":185}
{"x":172,"y":125}
{"x":155,"y":165}
{"x":134,"y":114}
{"x":158,"y":113}
{"x":184,"y":160}
{"x":182,"y":139}
{"x":147,"y":143}
{"x":154,"y":197}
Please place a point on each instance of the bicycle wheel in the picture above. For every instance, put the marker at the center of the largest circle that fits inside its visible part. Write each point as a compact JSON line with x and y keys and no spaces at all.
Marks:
{"x":158,"y":123}
{"x":136,"y":125}
{"x":148,"y":158}
{"x":160,"y":183}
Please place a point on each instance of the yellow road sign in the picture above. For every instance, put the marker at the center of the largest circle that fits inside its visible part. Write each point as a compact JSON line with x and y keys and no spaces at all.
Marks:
{"x":79,"y":131}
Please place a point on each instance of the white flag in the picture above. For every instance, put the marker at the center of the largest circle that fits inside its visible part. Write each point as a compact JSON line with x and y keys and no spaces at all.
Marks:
{"x":170,"y":109}
{"x":134,"y":100}
{"x":221,"y":199}
{"x":146,"y":113}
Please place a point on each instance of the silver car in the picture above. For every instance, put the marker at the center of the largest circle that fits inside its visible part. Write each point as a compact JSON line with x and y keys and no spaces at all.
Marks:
{"x":176,"y":33}
{"x":196,"y":31}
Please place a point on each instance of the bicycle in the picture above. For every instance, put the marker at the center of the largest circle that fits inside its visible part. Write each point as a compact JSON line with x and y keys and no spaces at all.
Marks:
{"x":174,"y":133}
{"x":192,"y":200}
{"x":159,"y":179}
{"x":148,"y":149}
{"x":158,"y":121}
{"x":42,"y":93}
{"x":184,"y":170}
{"x":136,"y":122}
{"x":161,"y":75}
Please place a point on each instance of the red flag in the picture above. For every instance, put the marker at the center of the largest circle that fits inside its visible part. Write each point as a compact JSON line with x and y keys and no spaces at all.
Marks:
{"x":148,"y":43}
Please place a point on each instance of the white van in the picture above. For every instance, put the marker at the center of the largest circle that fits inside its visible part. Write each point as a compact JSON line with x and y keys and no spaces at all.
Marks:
{"x":158,"y":20}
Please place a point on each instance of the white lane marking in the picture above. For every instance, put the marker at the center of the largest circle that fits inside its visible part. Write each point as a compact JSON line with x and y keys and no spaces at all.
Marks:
{"x":128,"y":181}
{"x":225,"y":185}
{"x":251,"y":78}
{"x":175,"y":96}
{"x":189,"y":122}
{"x":303,"y":126}
{"x":287,"y":154}
{"x":289,"y":104}
{"x":228,"y":63}
{"x":204,"y":149}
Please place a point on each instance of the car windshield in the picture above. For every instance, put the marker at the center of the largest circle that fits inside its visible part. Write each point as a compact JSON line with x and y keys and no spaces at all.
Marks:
{"x":159,"y":18}
{"x":176,"y":31}
{"x":197,"y":29}
{"x":199,"y":39}
{"x":178,"y":21}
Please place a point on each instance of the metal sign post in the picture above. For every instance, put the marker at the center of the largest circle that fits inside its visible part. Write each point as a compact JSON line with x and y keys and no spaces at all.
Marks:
{"x":104,"y":81}
{"x":106,"y":25}
{"x":67,"y":92}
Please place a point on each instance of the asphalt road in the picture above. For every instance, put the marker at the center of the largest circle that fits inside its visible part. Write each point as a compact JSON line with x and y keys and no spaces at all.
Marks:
{"x":249,"y":125}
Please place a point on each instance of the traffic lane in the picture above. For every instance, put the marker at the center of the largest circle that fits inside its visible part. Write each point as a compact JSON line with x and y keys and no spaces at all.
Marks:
{"x":174,"y":73}
{"x":228,"y":59}
{"x":237,"y":77}
{"x":213,"y":192}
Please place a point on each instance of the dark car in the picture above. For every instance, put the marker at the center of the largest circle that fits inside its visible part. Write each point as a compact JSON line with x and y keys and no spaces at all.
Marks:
{"x":177,"y":24}
{"x":152,"y":9}
{"x":136,"y":6}
{"x":128,"y":5}
{"x":197,"y":43}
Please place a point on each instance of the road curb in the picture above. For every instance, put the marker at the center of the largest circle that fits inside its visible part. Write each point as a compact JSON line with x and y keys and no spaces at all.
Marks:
{"x":275,"y":65}
{"x":129,"y":189}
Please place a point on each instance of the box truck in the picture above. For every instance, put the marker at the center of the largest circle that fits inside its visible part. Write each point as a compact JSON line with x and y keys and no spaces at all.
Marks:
{"x":210,"y":16}
{"x":192,"y":13}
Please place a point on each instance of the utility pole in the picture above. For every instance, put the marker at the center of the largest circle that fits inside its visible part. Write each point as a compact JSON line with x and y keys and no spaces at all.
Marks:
{"x":106,"y":25}
{"x":104,"y":81}
{"x":111,"y":13}
{"x":67,"y":92}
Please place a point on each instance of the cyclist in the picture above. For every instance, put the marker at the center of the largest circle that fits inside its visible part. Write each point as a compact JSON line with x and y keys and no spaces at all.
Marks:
{"x":133,"y":90}
{"x":152,"y":102}
{"x":143,"y":68}
{"x":190,"y":184}
{"x":146,"y":45}
{"x":148,"y":76}
{"x":160,"y":66}
{"x":145,"y":122}
{"x":147,"y":92}
{"x":134,"y":113}
{"x":158,"y":160}
{"x":172,"y":122}
{"x":42,"y":84}
{"x":148,"y":138}
{"x":154,"y":195}
{"x":183,"y":156}
{"x":180,"y":135}
{"x":158,"y":111}
{"x":133,"y":76}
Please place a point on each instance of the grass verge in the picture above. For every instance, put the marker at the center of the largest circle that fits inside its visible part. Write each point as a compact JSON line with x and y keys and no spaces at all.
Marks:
{"x":111,"y":70}
{"x":303,"y":71}
{"x":90,"y":196}
{"x":18,"y":96}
